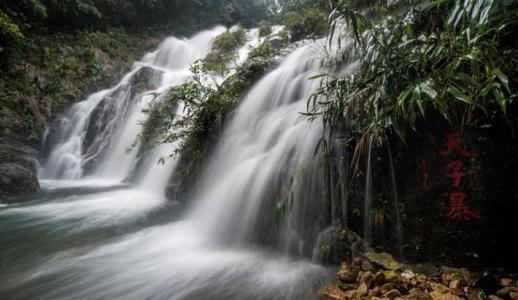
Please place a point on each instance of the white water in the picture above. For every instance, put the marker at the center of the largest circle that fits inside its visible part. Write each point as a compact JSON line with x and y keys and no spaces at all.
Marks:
{"x":91,"y":244}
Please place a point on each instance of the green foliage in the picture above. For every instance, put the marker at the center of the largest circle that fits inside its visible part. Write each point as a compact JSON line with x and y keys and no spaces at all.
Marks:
{"x":304,"y":18}
{"x":265,"y":28}
{"x":181,"y":17}
{"x":224,"y":49}
{"x":10,"y":35}
{"x":205,"y":109}
{"x":325,"y":253}
{"x":51,"y":72}
{"x":440,"y":56}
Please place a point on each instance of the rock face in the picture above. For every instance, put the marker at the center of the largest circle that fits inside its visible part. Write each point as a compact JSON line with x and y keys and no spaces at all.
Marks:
{"x":111,"y":112}
{"x":379,"y":276}
{"x":17,"y":169}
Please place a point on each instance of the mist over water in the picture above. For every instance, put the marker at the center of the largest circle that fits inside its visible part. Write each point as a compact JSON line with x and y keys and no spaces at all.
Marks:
{"x":92,"y":235}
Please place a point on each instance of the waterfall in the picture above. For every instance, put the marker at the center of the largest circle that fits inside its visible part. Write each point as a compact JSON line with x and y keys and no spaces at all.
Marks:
{"x":93,"y":137}
{"x":267,"y":145}
{"x":226,"y":245}
{"x":367,"y":210}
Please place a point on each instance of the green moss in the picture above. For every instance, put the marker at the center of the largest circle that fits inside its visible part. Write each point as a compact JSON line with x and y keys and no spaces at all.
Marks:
{"x":53,"y":71}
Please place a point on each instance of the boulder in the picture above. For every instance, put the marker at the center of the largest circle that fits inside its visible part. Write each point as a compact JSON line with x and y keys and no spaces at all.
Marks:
{"x":331,"y":292}
{"x":384,"y":260}
{"x":16,"y":179}
{"x":18,"y":169}
{"x":347,"y":274}
{"x":145,"y":79}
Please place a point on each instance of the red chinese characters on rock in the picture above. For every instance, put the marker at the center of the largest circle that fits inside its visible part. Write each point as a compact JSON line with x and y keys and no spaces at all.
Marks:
{"x":453,"y":144}
{"x":455,"y":172}
{"x":458,"y":209}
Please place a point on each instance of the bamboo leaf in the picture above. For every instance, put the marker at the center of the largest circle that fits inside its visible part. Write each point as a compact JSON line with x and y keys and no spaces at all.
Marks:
{"x":503,"y":78}
{"x":459,"y":95}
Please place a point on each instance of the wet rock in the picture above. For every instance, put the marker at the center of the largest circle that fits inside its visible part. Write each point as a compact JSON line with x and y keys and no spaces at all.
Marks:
{"x":17,"y":169}
{"x":392,"y":294}
{"x":15,"y":179}
{"x":375,"y":292}
{"x":435,"y":295}
{"x":407,"y":276}
{"x":145,"y":79}
{"x":451,"y":276}
{"x":367,"y":278}
{"x":476,"y":294}
{"x":418,"y":294}
{"x":506,"y":282}
{"x":387,"y":287}
{"x":367,"y":266}
{"x":506,"y":291}
{"x":173,"y":192}
{"x":454,"y":284}
{"x":404,"y":283}
{"x":383,"y":260}
{"x":457,"y":291}
{"x":363,"y":289}
{"x":391,"y":276}
{"x":425,"y":269}
{"x":358,"y":261}
{"x":488,"y":284}
{"x":346,"y":286}
{"x":379,"y":278}
{"x":437,"y":287}
{"x":331,"y":292}
{"x":347,"y":274}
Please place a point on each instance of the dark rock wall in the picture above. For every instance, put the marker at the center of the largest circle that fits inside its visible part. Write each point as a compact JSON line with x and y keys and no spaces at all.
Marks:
{"x":457,"y":206}
{"x":18,"y":170}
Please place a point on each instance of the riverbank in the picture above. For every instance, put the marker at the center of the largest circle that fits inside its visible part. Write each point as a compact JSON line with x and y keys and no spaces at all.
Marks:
{"x":379,"y":276}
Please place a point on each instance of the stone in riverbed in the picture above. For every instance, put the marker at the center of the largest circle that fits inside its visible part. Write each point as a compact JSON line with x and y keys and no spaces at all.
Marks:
{"x":331,"y":292}
{"x":17,"y":169}
{"x":391,"y":276}
{"x":347,"y":274}
{"x":363,"y":289}
{"x":367,"y":266}
{"x":488,"y":283}
{"x":476,"y":294}
{"x":418,"y":294}
{"x":387,"y":287}
{"x":346,"y":286}
{"x":506,"y":291}
{"x":506,"y":282}
{"x":375,"y":292}
{"x":455,"y":284}
{"x":16,"y":179}
{"x":383,"y":260}
{"x":392,"y":294}
{"x":440,"y":296}
{"x":367,"y":278}
{"x":437,"y":287}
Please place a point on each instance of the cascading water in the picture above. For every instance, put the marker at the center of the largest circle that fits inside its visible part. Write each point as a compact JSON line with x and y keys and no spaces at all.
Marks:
{"x":266,"y":144}
{"x":367,"y":211}
{"x":97,"y":133}
{"x":94,"y":244}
